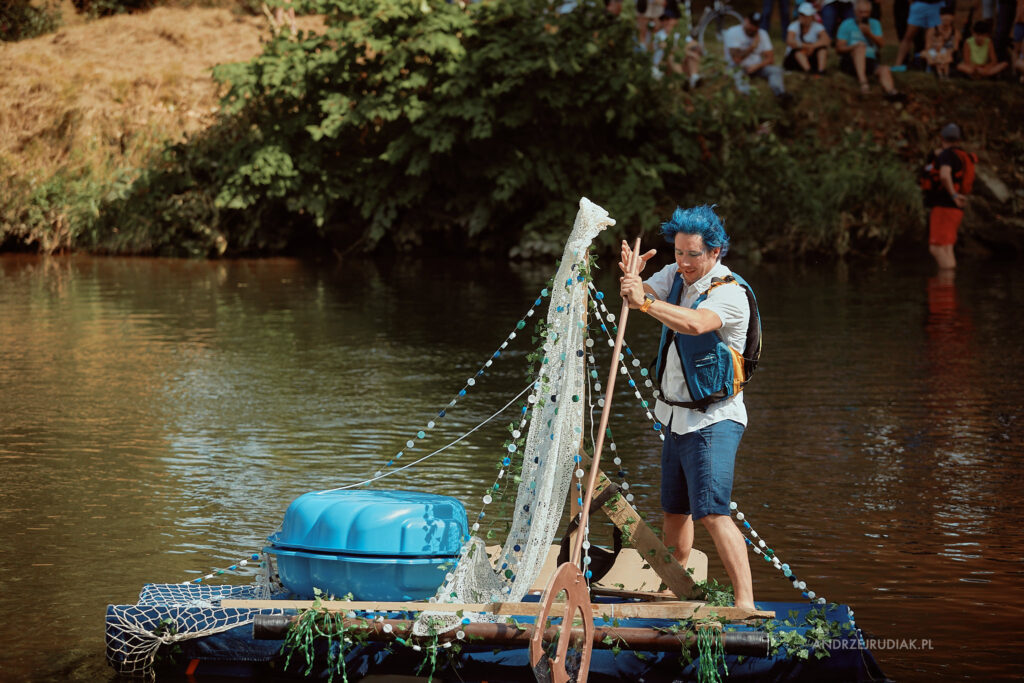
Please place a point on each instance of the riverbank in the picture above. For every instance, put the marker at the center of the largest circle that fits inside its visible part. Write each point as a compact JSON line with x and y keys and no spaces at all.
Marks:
{"x":84,"y":109}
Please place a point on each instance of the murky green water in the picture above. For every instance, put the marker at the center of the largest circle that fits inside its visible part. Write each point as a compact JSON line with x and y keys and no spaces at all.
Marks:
{"x":156,"y":418}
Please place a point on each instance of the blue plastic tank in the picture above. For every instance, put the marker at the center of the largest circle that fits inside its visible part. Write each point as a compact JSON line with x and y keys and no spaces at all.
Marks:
{"x":376,"y":545}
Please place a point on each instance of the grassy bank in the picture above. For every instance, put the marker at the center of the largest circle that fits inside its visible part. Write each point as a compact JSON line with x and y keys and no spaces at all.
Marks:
{"x":87,"y":106}
{"x":89,"y":111}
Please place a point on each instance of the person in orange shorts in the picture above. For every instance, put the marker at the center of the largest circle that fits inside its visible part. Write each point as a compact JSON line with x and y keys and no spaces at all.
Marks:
{"x":946,"y":194}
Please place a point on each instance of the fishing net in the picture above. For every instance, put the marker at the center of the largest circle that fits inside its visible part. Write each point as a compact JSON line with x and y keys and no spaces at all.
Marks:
{"x":166,"y":614}
{"x":552,"y":444}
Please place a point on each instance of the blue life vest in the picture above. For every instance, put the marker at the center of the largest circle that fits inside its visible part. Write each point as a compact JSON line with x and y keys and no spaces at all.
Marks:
{"x":713,"y":370}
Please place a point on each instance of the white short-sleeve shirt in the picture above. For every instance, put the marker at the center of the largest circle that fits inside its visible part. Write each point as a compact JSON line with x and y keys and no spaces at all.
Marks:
{"x":812,"y":35}
{"x":731,"y":305}
{"x":736,"y":38}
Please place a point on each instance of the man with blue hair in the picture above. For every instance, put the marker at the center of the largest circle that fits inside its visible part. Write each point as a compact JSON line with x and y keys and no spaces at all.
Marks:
{"x":709,"y":345}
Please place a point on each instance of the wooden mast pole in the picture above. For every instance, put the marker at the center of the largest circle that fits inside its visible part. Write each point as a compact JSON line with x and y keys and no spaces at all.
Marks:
{"x":633,"y":268}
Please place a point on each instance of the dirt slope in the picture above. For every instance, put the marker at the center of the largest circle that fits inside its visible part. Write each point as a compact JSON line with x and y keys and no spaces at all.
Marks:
{"x":106,"y":91}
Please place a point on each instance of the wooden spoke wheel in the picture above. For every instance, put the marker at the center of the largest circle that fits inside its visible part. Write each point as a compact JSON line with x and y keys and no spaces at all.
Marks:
{"x":566,"y":578}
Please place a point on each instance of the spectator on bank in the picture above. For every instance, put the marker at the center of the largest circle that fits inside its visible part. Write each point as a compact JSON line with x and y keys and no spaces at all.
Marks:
{"x":980,"y":54}
{"x":924,"y":14}
{"x":748,"y":49}
{"x":806,"y":43}
{"x":690,"y":65}
{"x":766,"y":15}
{"x":648,"y":14}
{"x":941,"y":44}
{"x":857,"y":42}
{"x":284,"y":13}
{"x":834,"y":13}
{"x":947,"y":180}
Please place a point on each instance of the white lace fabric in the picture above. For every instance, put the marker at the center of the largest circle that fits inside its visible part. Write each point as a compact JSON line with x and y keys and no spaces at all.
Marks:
{"x":553,"y":440}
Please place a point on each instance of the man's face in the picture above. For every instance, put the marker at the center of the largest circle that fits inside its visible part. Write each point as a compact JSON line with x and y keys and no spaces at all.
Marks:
{"x":805,"y":22}
{"x":863,"y":12}
{"x":693,"y":259}
{"x":750,"y":28}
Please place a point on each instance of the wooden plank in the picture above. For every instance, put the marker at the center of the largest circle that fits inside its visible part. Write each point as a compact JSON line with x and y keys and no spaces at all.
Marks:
{"x":747,"y":643}
{"x":626,"y":594}
{"x":648,"y":610}
{"x":643,"y":538}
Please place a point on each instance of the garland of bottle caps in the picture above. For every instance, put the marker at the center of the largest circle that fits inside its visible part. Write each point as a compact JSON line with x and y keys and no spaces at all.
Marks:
{"x":605,"y":322}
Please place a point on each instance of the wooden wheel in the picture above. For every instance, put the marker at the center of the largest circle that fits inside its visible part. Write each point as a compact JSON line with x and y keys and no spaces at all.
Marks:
{"x":566,"y":578}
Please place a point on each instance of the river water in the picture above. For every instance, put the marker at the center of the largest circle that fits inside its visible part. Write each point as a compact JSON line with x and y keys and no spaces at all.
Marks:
{"x":157,"y":417}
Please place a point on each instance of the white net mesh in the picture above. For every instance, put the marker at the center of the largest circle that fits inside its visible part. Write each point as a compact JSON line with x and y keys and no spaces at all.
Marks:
{"x":552,"y":442}
{"x":169,"y":613}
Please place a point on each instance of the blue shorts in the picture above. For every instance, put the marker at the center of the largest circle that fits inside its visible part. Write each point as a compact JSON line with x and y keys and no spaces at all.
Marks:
{"x":696,"y":470}
{"x":924,"y":14}
{"x":1018,"y":31}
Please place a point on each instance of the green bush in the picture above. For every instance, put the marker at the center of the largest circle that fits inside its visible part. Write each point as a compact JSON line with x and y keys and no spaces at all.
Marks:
{"x":20,"y":19}
{"x":417,"y":122}
{"x":406,"y":122}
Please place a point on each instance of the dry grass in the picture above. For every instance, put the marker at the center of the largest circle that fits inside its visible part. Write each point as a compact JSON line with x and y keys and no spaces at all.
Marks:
{"x":103,"y":93}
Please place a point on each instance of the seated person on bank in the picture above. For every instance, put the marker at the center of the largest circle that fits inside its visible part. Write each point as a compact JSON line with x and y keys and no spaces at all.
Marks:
{"x":857,"y":42}
{"x":749,"y":50}
{"x":806,"y":43}
{"x":941,"y":42}
{"x":980,"y":53}
{"x":681,"y":60}
{"x":691,"y":54}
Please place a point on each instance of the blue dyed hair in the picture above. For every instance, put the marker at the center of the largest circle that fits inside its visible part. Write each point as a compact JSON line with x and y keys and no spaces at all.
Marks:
{"x":700,"y":220}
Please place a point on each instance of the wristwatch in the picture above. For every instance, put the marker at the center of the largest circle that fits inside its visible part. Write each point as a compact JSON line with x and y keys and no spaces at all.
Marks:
{"x":648,"y":300}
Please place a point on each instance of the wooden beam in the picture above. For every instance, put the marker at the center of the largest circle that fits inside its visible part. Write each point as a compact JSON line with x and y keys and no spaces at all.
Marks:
{"x":646,"y":542}
{"x":747,"y":643}
{"x":629,"y":610}
{"x":626,"y":594}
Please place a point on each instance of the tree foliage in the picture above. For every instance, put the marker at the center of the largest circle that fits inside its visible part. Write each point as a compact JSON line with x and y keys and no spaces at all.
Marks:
{"x":412,"y":122}
{"x":21,"y":19}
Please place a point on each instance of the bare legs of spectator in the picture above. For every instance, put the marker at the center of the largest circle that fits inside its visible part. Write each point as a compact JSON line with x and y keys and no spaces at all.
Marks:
{"x":280,"y":13}
{"x":983,"y":71}
{"x":801,"y":58}
{"x":907,"y":44}
{"x":943,"y":255}
{"x":859,"y":57}
{"x":885,"y":79}
{"x":819,"y":56}
{"x":691,"y":62}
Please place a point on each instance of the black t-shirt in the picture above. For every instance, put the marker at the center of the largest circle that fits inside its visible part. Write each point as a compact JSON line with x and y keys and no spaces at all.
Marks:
{"x":939,"y":196}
